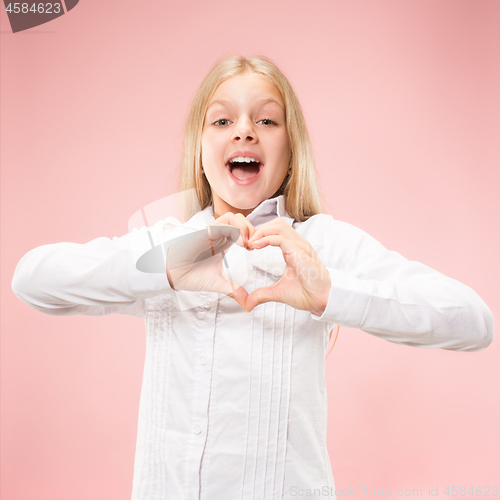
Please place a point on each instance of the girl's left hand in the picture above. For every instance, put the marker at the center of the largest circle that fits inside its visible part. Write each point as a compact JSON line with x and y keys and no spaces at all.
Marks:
{"x":306,"y":282}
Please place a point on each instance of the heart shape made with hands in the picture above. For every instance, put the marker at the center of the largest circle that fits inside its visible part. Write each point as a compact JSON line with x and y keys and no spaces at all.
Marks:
{"x":194,"y":262}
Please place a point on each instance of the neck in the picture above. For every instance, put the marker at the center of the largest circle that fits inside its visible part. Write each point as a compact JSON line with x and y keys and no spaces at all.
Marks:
{"x":234,"y":211}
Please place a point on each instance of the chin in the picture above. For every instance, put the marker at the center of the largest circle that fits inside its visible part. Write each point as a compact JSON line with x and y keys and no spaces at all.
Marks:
{"x":248,"y":202}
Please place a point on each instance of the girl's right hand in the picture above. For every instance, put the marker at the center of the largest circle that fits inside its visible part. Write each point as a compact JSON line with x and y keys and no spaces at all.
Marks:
{"x":196,"y":263}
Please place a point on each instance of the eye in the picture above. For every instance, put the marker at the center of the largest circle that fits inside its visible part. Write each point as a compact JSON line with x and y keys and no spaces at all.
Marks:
{"x":221,"y":120}
{"x":268,"y":120}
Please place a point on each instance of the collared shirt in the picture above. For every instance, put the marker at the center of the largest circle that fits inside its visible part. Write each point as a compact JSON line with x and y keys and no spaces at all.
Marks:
{"x":233,"y":404}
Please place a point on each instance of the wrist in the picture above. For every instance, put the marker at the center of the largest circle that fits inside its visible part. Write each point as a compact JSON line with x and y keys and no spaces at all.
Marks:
{"x":322,"y":301}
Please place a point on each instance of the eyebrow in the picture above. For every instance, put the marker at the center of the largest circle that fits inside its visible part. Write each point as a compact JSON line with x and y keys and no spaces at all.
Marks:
{"x":263,"y":100}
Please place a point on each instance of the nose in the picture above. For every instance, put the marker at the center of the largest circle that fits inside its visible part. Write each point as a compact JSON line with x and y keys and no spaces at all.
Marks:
{"x":244,"y":130}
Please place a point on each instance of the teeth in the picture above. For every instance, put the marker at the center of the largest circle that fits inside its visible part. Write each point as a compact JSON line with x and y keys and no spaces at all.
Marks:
{"x":241,"y":159}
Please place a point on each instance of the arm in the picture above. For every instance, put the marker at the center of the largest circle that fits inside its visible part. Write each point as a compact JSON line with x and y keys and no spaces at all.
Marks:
{"x":96,"y":278}
{"x":402,"y":301}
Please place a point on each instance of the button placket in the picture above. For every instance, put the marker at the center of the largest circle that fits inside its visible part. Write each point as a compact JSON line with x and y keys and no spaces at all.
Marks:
{"x":203,"y":344}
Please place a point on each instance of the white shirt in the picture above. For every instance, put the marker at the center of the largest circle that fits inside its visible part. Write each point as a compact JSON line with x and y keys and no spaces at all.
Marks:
{"x":233,"y":404}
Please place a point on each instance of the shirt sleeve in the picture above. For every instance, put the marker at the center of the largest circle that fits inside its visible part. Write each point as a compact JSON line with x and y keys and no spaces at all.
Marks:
{"x":406,"y":302}
{"x":96,"y":278}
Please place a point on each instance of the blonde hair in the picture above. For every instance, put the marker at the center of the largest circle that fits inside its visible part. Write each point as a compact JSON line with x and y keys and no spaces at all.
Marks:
{"x":299,"y":188}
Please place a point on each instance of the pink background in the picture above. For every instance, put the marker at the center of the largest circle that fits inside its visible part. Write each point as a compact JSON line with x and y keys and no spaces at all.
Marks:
{"x":402,"y":104}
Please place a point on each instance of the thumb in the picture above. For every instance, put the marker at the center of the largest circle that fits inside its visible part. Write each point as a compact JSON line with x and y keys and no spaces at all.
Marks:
{"x":239,"y":294}
{"x":260,"y":296}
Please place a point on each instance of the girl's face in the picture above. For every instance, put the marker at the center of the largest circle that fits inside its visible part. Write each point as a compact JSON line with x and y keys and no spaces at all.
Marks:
{"x":245,"y":118}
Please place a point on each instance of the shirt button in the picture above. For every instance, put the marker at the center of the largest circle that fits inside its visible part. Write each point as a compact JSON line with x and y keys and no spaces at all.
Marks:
{"x":197,"y":429}
{"x":208,"y":304}
{"x":203,"y":359}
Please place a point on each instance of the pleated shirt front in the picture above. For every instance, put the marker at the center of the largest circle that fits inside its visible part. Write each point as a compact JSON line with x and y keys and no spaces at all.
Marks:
{"x":233,"y":404}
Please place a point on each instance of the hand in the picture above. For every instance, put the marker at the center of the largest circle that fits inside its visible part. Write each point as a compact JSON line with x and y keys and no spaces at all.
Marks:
{"x":195,"y":264}
{"x":305,"y":283}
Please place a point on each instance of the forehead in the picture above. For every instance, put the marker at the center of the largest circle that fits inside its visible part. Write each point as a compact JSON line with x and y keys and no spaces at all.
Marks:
{"x":245,"y":90}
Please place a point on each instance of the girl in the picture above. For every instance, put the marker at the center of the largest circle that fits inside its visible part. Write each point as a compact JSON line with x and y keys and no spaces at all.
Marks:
{"x":233,"y":402}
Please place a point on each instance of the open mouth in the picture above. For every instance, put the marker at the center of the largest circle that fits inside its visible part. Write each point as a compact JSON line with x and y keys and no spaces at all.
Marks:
{"x":243,"y":171}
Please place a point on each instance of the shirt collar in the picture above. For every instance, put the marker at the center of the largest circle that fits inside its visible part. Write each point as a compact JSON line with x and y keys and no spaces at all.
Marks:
{"x":267,"y":210}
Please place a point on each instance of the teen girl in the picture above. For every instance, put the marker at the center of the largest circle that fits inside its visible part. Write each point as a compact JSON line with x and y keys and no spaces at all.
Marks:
{"x":233,"y":403}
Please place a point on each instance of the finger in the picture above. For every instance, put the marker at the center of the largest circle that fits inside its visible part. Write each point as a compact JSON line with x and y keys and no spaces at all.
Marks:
{"x":241,"y":223}
{"x":227,"y":219}
{"x":281,"y":228}
{"x":276,"y":226}
{"x":251,"y":228}
{"x":245,"y":229}
{"x":222,"y":237}
{"x":262,"y":295}
{"x":287,"y":246}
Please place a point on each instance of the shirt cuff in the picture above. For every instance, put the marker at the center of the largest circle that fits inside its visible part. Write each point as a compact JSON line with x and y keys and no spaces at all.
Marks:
{"x":347,"y":301}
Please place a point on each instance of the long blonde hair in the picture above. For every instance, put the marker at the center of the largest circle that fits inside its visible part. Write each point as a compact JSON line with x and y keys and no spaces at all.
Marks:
{"x":299,"y":188}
